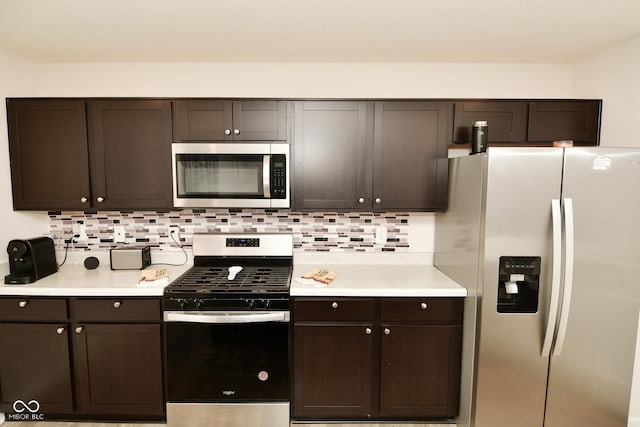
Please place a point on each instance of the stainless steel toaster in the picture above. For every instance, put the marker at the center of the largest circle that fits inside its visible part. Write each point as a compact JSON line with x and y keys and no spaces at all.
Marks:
{"x":130,"y":257}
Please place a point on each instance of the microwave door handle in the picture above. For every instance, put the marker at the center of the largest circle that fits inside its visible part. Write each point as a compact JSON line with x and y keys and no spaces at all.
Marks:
{"x":266,"y":176}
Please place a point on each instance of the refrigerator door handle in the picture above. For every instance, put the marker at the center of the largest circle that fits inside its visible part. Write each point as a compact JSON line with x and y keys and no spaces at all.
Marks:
{"x":568,"y":276}
{"x":556,"y":221}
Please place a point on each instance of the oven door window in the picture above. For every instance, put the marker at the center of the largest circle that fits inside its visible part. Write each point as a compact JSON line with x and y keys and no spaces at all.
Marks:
{"x":220,"y":175}
{"x":230,"y":362}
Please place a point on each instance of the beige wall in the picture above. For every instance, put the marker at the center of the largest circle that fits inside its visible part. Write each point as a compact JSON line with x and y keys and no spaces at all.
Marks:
{"x":614,"y":76}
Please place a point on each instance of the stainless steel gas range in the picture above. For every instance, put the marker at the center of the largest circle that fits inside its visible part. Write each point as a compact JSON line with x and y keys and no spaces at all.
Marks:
{"x":227,"y":333}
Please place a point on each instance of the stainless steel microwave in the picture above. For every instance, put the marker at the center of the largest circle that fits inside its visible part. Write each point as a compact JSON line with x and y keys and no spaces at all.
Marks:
{"x":231,"y":175}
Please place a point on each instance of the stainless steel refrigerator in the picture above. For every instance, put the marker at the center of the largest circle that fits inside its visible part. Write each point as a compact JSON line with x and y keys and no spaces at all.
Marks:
{"x":547,"y":243}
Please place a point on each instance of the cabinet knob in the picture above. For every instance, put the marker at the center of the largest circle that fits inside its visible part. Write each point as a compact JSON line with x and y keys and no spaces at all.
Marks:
{"x":423,"y":305}
{"x":361,"y":200}
{"x":227,"y":131}
{"x":60,"y":331}
{"x":22,"y":304}
{"x":367,"y":331}
{"x":83,"y":200}
{"x":387,"y":331}
{"x":334,"y":305}
{"x":100,"y":199}
{"x":236,"y":131}
{"x":79,"y":329}
{"x":117,"y":304}
{"x":378,"y":200}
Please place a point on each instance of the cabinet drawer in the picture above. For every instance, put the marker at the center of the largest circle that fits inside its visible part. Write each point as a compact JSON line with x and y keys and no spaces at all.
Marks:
{"x":115,"y":310}
{"x":335,"y":309}
{"x":33,"y":309}
{"x":422,"y":310}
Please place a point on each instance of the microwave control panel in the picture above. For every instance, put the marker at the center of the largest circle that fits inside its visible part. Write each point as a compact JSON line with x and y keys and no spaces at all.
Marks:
{"x":278,"y":176}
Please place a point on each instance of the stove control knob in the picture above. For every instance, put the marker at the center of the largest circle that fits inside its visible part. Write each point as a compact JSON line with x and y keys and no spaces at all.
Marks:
{"x":267,"y":303}
{"x":251,"y":304}
{"x":198,"y":303}
{"x":182,"y":303}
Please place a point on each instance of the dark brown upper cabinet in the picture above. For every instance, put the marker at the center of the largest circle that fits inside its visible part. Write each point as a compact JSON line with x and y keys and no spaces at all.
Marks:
{"x":332,"y":166}
{"x":229,"y":120}
{"x":49,"y":154}
{"x":365,"y":156}
{"x":410,"y":155}
{"x":72,"y":154}
{"x":507,"y":120}
{"x":550,"y":121}
{"x":130,"y":154}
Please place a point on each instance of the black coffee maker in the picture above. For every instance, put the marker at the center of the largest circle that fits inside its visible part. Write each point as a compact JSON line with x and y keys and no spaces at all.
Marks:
{"x":30,"y":260}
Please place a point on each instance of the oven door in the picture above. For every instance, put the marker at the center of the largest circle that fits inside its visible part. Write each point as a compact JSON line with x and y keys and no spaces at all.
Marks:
{"x":230,"y":175}
{"x":231,"y":366}
{"x":227,"y":357}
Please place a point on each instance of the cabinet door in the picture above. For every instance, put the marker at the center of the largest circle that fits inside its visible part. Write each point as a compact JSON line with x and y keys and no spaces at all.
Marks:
{"x":118,"y":369}
{"x":578,"y":121}
{"x":49,"y":157}
{"x":202,"y":120}
{"x":130,"y":148}
{"x":332,"y":371}
{"x":260,"y":120}
{"x":506,"y":120}
{"x":34,"y":365}
{"x":410,"y":155}
{"x":332,"y":167}
{"x":420,"y":370}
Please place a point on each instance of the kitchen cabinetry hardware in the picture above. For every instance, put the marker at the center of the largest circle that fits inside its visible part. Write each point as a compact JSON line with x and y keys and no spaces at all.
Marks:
{"x":367,"y":331}
{"x":423,"y":305}
{"x":60,"y":331}
{"x":378,"y":200}
{"x":236,"y":131}
{"x":78,"y":329}
{"x":227,"y":131}
{"x":117,"y":304}
{"x":83,"y":199}
{"x":387,"y":331}
{"x":334,"y":305}
{"x":361,"y":200}
{"x":22,"y":304}
{"x":100,"y":199}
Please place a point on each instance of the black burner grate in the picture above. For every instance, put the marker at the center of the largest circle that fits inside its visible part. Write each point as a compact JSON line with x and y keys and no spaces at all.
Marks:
{"x":215,"y":279}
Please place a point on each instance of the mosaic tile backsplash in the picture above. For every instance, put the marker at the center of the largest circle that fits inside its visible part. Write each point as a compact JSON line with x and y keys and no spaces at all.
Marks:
{"x":313,"y":231}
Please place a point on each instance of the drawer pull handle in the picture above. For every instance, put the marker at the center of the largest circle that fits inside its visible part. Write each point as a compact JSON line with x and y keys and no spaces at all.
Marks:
{"x":117,"y":304}
{"x":334,"y":305}
{"x":79,"y":329}
{"x":227,"y":131}
{"x":423,"y":305}
{"x":60,"y":331}
{"x":387,"y":331}
{"x":22,"y":304}
{"x":367,"y":331}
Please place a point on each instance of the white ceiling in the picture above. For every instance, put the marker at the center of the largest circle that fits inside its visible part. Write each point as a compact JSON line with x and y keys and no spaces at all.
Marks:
{"x":542,"y":31}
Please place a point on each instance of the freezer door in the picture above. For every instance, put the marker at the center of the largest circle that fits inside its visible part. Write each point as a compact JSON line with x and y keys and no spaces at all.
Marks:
{"x":511,"y":371}
{"x":590,"y":380}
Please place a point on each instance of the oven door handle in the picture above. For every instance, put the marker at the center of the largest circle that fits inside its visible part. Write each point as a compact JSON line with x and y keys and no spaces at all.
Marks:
{"x":226,"y":317}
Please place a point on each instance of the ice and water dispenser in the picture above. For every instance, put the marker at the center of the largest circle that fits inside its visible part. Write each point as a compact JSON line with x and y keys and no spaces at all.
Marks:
{"x":518,"y":284}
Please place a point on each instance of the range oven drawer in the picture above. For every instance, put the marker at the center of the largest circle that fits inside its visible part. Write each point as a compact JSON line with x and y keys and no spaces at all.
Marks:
{"x":227,"y":362}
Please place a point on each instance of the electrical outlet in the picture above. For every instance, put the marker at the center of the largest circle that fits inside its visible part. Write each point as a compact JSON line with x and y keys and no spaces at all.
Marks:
{"x":174,"y":233}
{"x":119,"y":234}
{"x":381,"y":235}
{"x":80,"y":230}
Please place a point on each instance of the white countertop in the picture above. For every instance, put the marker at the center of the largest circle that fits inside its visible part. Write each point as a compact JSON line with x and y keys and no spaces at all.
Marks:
{"x":374,"y":276}
{"x":360,"y":275}
{"x":75,"y":280}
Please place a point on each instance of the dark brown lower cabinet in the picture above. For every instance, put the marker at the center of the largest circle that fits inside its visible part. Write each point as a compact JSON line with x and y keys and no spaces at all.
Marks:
{"x":118,"y":369}
{"x":34,"y":365}
{"x":376,"y":358}
{"x":332,"y":371}
{"x":84,"y":358}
